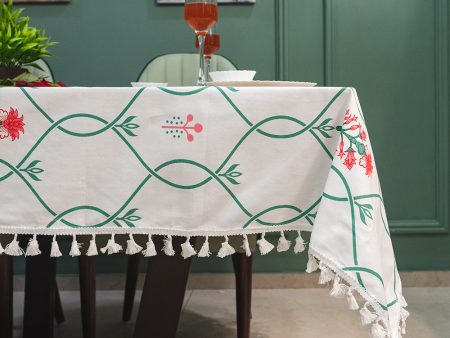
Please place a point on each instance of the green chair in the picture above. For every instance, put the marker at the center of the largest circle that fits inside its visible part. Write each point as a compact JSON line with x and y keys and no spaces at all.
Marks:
{"x":180,"y":69}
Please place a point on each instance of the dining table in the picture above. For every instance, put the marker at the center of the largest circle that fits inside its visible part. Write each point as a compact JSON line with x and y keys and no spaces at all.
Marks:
{"x":181,"y":163}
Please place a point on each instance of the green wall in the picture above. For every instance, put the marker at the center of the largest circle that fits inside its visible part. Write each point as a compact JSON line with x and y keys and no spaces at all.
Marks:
{"x":395,"y":53}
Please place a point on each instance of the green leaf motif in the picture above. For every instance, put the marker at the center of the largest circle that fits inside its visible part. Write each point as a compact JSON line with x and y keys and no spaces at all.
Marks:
{"x":365,"y":210}
{"x":33,"y":171}
{"x":127,"y":126}
{"x":361,"y":149}
{"x":129,"y":217}
{"x":231,"y":174}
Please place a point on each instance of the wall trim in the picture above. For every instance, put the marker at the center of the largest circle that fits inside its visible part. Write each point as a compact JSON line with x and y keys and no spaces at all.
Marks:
{"x":440,"y":225}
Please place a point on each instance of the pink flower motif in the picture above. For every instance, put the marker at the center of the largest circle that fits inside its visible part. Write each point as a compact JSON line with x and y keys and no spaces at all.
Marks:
{"x":11,"y":125}
{"x":366,"y":162}
{"x":350,"y":160}
{"x":349,"y":118}
{"x":177,"y":128}
{"x":363,"y":135}
{"x":341,"y":149}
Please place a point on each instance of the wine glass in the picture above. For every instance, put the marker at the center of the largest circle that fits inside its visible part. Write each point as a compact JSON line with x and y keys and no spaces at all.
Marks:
{"x":212,"y":45}
{"x":201,"y":15}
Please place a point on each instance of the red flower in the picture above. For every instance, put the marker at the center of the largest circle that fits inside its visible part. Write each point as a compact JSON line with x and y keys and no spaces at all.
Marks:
{"x":350,"y":160}
{"x":11,"y":124}
{"x":349,"y":118}
{"x":366,"y":162}
{"x":341,"y":149}
{"x":363,"y":135}
{"x":356,"y":126}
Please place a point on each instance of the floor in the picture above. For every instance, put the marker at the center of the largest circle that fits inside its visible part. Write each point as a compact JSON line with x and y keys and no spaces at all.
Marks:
{"x":285,"y":313}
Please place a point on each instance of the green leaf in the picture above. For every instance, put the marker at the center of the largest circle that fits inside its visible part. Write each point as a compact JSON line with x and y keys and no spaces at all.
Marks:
{"x":230,"y":169}
{"x":325,"y":122}
{"x":367,"y":213}
{"x":130,"y":212}
{"x":129,"y":119}
{"x":361,"y":215}
{"x":234,"y":174}
{"x":232,"y":180}
{"x":133,"y":218}
{"x":324,"y":134}
{"x":35,"y":170}
{"x":131,"y":125}
{"x":361,"y":149}
{"x":128,"y":131}
{"x":327,"y":128}
{"x":32,"y":164}
{"x":130,"y":225}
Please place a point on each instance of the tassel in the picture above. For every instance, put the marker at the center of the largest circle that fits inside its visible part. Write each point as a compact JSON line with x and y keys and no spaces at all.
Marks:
{"x":352,"y":303}
{"x":378,"y":331}
{"x":264,"y":246}
{"x":13,"y":248}
{"x":402,"y":302}
{"x":187,"y":250}
{"x":111,"y":247}
{"x":54,"y":251}
{"x":75,"y":248}
{"x":367,"y":316}
{"x":1,"y":249}
{"x":33,"y":247}
{"x":312,"y":264}
{"x":326,"y":275}
{"x":226,"y":249}
{"x":299,"y":244}
{"x":404,"y":314}
{"x":132,"y":247}
{"x":338,"y":289}
{"x":283,"y":243}
{"x":150,"y":251}
{"x":92,"y":250}
{"x":168,"y":248}
{"x":246,"y":246}
{"x":204,"y":251}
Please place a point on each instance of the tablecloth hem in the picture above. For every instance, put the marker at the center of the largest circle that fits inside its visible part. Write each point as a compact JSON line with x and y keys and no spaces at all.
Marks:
{"x":325,"y":264}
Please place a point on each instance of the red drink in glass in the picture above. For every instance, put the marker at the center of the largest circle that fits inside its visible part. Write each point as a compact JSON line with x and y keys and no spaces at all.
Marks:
{"x":212,"y":44}
{"x":200,"y":16}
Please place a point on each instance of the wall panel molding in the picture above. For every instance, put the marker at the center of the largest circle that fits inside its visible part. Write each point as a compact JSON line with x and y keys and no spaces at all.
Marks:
{"x":440,"y":225}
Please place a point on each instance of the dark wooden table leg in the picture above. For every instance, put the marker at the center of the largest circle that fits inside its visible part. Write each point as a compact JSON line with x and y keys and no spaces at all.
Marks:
{"x":59,"y":313}
{"x":243,"y":272}
{"x":130,"y":286}
{"x":87,"y":295}
{"x":39,"y":310}
{"x":163,"y":294}
{"x":6,"y":296}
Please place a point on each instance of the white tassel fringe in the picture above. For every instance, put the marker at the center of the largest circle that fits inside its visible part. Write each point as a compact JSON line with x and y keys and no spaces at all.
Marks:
{"x":150,"y":250}
{"x":1,"y":249}
{"x":246,"y":246}
{"x":338,"y":289}
{"x":312,"y":264}
{"x":226,"y":249}
{"x":54,"y":251}
{"x":111,"y":247}
{"x":92,"y":250}
{"x":204,"y":250}
{"x":132,"y":247}
{"x":326,"y":274}
{"x":299,"y":243}
{"x":378,"y":331}
{"x":168,"y":247}
{"x":264,"y":246}
{"x":13,"y":248}
{"x":75,"y":248}
{"x":351,"y":300}
{"x":283,"y":243}
{"x":187,"y":250}
{"x":367,"y":316}
{"x":33,"y":247}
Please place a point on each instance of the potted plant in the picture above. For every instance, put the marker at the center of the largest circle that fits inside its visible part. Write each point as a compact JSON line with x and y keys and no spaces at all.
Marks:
{"x":20,"y":45}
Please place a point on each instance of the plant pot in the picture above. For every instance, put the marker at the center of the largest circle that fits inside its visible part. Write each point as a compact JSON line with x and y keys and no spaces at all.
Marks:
{"x":10,"y":73}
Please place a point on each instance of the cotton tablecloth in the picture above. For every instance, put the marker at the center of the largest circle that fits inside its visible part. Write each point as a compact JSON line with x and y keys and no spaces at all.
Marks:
{"x":204,"y":161}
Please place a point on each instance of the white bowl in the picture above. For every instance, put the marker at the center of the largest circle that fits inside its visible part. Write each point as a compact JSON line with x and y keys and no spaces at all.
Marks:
{"x":148,"y":84}
{"x":232,"y":75}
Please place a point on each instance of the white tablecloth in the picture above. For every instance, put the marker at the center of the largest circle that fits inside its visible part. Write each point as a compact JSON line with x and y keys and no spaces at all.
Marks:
{"x":204,"y":162}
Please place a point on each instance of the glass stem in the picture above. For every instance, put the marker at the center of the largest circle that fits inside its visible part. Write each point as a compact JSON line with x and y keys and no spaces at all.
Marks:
{"x":207,"y":67}
{"x":201,"y":72}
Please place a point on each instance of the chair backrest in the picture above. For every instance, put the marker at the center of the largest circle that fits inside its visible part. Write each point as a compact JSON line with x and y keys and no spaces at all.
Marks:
{"x":47,"y":73}
{"x":180,"y":69}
